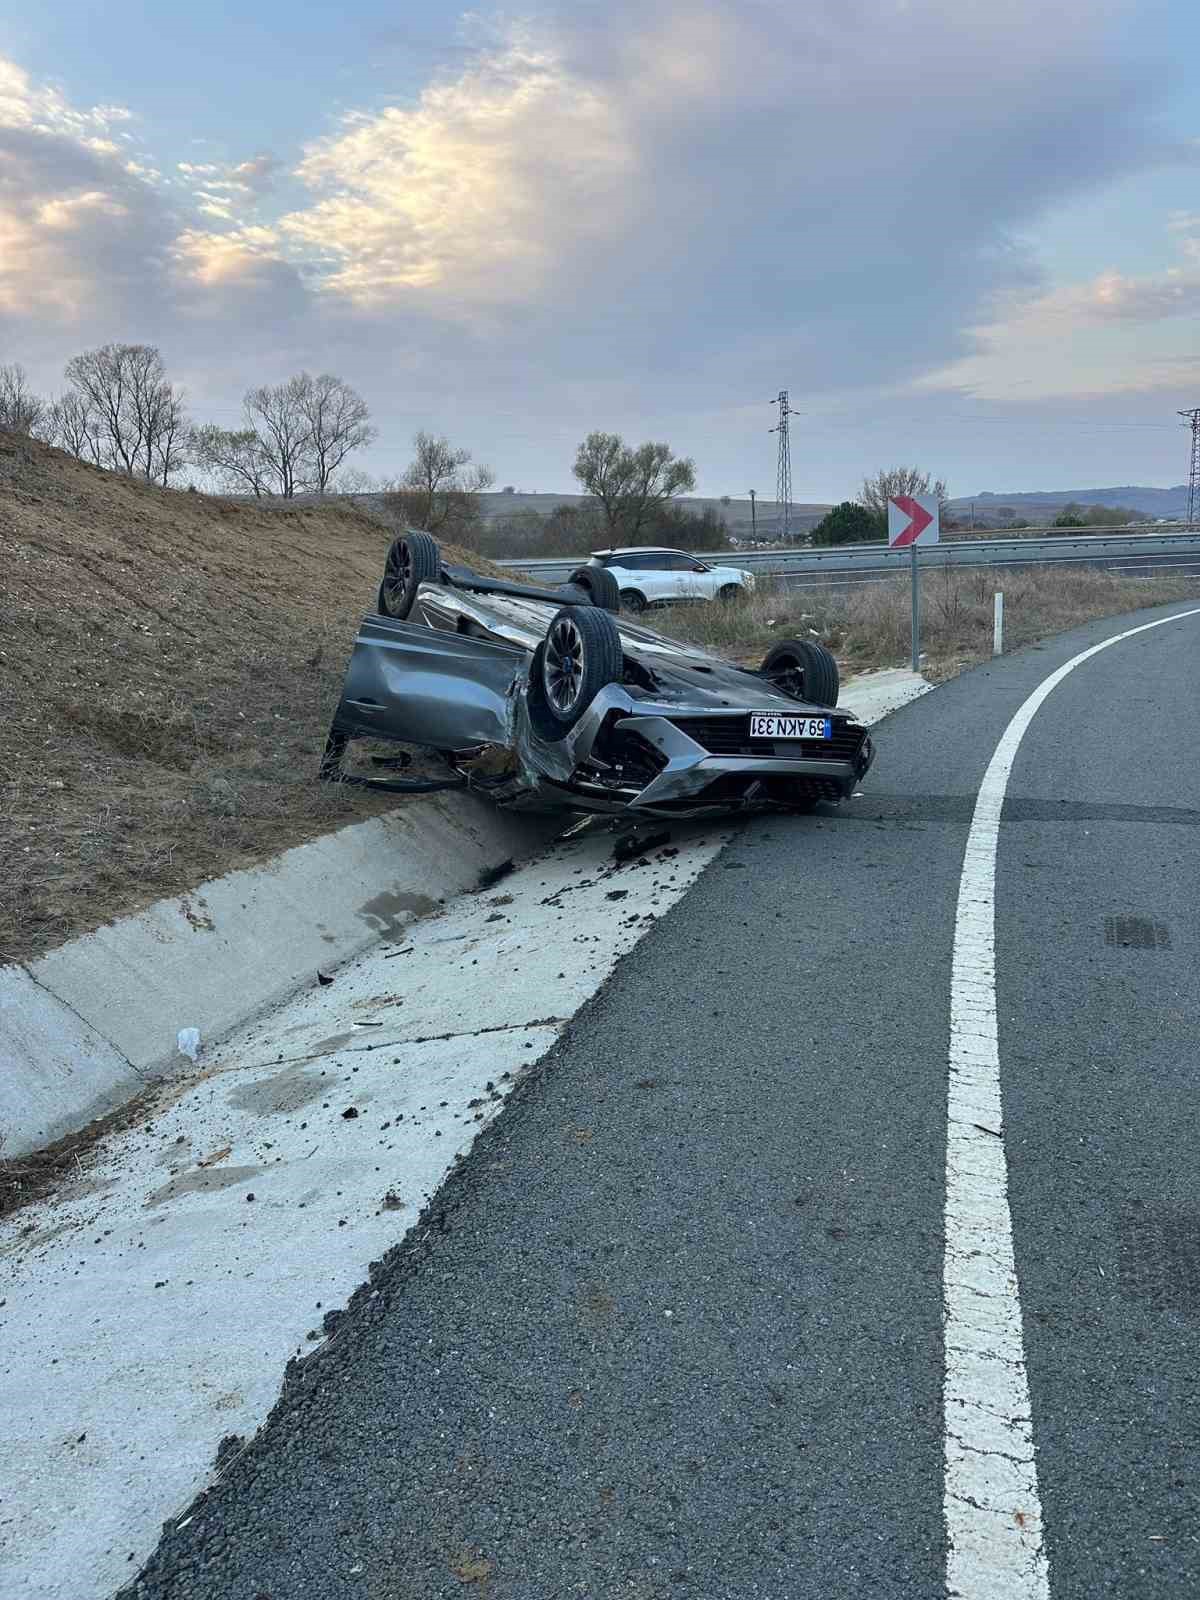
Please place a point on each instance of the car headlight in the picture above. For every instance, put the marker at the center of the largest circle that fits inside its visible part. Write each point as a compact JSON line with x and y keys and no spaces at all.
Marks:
{"x":748,"y":579}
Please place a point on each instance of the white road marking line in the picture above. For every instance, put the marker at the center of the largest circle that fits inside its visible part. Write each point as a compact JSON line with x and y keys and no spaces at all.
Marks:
{"x":990,"y":1497}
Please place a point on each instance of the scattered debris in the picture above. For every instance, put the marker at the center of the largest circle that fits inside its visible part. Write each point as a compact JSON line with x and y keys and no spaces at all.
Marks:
{"x":634,"y":844}
{"x":217,"y":1155}
{"x":493,"y":875}
{"x":616,"y":894}
{"x":349,"y":1114}
{"x":392,"y":1201}
{"x":471,"y":1569}
{"x":324,"y":979}
{"x":188,"y":1040}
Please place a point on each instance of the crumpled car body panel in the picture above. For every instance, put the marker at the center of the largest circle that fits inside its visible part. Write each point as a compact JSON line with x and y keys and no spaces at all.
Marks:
{"x":460,"y":677}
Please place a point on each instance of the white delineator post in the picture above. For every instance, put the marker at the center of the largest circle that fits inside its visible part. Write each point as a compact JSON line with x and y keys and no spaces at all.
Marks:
{"x":998,"y":623}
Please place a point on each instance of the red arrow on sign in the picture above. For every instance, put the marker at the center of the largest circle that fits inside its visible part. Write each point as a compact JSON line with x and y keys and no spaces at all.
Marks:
{"x":916,"y":527}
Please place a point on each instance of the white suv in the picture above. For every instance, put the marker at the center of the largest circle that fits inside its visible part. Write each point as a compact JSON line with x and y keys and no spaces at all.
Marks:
{"x":650,"y":577}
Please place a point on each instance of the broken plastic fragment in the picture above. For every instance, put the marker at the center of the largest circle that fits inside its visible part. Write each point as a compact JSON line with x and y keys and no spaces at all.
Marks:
{"x":188,"y":1040}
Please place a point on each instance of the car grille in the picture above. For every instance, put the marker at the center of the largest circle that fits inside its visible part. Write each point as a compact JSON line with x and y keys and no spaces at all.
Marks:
{"x":730,"y":736}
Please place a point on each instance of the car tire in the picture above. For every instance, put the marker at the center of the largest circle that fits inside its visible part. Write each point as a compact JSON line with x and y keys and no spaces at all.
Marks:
{"x":632,"y":601}
{"x":582,"y":653}
{"x":804,"y":670}
{"x":599,"y":585}
{"x":413,"y":558}
{"x":730,"y":592}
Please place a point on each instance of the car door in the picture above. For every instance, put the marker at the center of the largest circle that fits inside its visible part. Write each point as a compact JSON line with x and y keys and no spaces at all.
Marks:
{"x":422,"y":686}
{"x":657,"y":578}
{"x":699,"y":581}
{"x":679,"y":579}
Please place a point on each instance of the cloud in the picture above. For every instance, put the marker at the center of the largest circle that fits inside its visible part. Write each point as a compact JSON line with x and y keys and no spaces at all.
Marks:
{"x":622,"y":210}
{"x":1113,"y":333}
{"x":80,"y":224}
{"x":258,"y":174}
{"x":476,"y":197}
{"x":700,"y":185}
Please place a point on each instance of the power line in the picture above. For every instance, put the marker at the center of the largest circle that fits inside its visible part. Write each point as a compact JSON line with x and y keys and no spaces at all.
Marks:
{"x":998,"y":422}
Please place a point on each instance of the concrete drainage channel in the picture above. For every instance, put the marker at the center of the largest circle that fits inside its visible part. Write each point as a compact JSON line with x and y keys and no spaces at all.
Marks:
{"x":149,"y":1307}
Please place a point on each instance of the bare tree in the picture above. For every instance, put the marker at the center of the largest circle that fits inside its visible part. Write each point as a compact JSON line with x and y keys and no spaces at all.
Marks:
{"x":440,"y":488}
{"x":21,"y":411}
{"x":355,"y":481}
{"x":234,"y":456}
{"x":338,"y":422}
{"x":71,"y":424}
{"x":631,"y":485}
{"x":278,"y":415}
{"x":886,"y":484}
{"x":136,"y":415}
{"x":171,"y":435}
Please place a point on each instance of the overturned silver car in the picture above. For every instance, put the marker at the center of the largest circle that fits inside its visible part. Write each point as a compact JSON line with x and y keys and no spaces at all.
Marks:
{"x":546,"y":700}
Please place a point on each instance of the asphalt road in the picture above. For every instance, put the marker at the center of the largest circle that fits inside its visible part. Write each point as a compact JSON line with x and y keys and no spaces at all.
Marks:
{"x":675,"y":1327}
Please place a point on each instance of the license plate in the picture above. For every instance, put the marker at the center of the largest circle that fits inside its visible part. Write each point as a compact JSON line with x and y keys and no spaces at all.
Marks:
{"x":779,"y":727}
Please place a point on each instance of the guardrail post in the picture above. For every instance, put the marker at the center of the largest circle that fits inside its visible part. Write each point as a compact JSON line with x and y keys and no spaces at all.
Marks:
{"x":998,"y":623}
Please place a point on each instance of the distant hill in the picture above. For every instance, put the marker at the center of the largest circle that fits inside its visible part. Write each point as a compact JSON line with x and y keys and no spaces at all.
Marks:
{"x":501,"y":503}
{"x":1044,"y":503}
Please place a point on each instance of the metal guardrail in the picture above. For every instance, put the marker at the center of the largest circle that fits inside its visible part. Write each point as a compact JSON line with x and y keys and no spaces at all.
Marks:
{"x":876,"y":561}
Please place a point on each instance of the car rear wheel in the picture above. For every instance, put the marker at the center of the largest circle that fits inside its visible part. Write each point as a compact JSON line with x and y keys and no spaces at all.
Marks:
{"x":804,"y":670}
{"x":632,"y":601}
{"x":582,"y":653}
{"x":414,"y":558}
{"x":599,"y":585}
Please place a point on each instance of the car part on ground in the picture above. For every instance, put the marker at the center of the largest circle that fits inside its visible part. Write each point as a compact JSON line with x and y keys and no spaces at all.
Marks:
{"x":546,"y":701}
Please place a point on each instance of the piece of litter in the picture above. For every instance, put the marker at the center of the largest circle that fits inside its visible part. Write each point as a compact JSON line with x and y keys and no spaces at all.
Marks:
{"x":324,"y":979}
{"x":188,"y":1040}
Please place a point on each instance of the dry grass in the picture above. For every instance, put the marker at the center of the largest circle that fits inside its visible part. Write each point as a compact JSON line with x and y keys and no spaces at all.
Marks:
{"x":169,"y":664}
{"x":870,"y":626}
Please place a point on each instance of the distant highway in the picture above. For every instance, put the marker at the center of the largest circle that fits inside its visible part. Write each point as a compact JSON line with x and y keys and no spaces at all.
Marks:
{"x":1136,"y":555}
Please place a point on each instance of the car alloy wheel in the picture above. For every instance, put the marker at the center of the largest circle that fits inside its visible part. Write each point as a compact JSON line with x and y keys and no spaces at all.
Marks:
{"x":564,"y":665}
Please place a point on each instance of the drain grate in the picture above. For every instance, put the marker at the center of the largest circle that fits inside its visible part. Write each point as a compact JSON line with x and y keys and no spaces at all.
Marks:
{"x":1137,"y":933}
{"x":1158,"y":1255}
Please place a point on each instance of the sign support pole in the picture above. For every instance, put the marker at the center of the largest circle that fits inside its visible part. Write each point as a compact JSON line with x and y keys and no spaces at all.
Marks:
{"x":913,"y":519}
{"x":916,"y":609}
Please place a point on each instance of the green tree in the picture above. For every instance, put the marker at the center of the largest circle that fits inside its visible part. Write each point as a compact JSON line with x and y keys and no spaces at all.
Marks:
{"x":630,"y":485}
{"x":1071,"y":516}
{"x":850,"y":523}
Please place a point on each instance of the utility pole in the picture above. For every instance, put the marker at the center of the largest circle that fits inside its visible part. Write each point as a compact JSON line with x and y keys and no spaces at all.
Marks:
{"x":753,"y":516}
{"x":783,"y":474}
{"x":1193,"y":419}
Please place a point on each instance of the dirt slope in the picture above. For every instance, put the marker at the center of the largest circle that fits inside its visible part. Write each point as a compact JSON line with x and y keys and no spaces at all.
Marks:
{"x":168,"y":667}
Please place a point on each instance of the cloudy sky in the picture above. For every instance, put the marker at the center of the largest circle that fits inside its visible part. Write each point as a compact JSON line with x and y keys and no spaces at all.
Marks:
{"x":961,"y":233}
